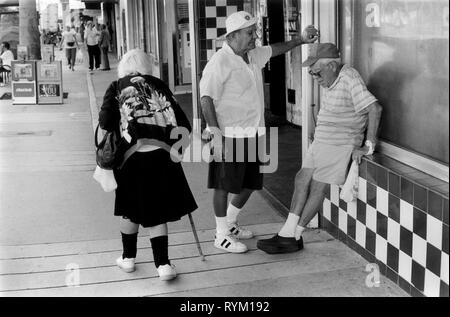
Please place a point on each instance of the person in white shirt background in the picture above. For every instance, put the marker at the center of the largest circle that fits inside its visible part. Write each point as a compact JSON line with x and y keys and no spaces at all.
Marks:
{"x":232,"y":99}
{"x":91,"y":37}
{"x":6,"y":58}
{"x":70,"y":42}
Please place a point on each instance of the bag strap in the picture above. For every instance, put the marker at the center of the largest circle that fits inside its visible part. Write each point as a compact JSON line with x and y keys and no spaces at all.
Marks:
{"x":143,"y":142}
{"x":96,"y":135}
{"x":98,"y":124}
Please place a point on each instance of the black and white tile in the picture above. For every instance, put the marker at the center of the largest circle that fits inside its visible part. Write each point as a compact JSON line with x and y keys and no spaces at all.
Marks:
{"x":409,"y":237}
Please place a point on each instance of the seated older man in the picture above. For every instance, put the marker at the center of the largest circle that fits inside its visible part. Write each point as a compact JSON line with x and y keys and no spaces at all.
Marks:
{"x":347,"y":111}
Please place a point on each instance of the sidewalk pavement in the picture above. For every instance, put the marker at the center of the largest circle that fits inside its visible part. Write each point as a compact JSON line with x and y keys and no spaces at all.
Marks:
{"x":57,"y":227}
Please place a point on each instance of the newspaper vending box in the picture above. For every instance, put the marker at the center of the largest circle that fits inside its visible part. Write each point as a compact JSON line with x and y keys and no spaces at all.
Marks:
{"x":50,"y":89}
{"x":23,"y":82}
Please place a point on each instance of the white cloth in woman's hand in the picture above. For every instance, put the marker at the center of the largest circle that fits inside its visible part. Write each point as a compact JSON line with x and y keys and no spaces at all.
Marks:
{"x":106,"y":179}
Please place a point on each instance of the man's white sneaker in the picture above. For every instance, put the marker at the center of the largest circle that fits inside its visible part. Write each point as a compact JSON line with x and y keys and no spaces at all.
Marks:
{"x":240,"y":233}
{"x":127,"y":265}
{"x":167,"y":272}
{"x":230,"y":244}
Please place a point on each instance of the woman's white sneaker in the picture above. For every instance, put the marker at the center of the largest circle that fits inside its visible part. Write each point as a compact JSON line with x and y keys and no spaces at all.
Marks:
{"x":127,"y":265}
{"x":167,"y":272}
{"x":240,"y":233}
{"x":230,"y":244}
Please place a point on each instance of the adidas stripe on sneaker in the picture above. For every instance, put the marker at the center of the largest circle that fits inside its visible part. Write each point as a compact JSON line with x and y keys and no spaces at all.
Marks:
{"x":230,"y":244}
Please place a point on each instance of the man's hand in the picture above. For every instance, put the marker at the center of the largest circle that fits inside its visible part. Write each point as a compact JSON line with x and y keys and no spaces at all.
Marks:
{"x":358,"y":153}
{"x":310,"y":35}
{"x":218,"y":148}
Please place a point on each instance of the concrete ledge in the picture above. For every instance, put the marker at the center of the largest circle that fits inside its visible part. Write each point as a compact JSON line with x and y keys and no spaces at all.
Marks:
{"x":92,"y":100}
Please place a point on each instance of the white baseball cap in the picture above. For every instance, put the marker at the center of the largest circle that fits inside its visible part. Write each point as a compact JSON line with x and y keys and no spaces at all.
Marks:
{"x":238,"y":21}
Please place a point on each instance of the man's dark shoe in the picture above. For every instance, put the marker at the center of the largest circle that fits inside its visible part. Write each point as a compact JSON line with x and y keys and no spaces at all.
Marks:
{"x":300,"y":243}
{"x":277,"y":245}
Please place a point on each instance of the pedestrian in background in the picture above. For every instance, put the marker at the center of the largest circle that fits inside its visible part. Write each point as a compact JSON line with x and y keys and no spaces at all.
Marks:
{"x":70,"y":42}
{"x":91,"y":36}
{"x":104,"y":41}
{"x":152,"y":189}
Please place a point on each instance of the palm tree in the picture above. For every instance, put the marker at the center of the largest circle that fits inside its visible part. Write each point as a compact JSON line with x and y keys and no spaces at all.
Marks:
{"x":28,"y":28}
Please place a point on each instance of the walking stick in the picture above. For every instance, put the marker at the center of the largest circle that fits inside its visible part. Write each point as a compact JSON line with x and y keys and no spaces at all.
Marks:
{"x":196,"y":237}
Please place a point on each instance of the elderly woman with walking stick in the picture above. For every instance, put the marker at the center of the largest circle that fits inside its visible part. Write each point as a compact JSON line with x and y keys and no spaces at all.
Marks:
{"x":152,"y":189}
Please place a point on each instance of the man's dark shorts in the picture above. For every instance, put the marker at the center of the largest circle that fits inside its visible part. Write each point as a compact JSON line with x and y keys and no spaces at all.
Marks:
{"x":241,"y":169}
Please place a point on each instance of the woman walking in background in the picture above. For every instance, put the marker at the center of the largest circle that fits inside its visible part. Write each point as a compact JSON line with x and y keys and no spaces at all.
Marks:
{"x":70,"y":42}
{"x":105,"y":39}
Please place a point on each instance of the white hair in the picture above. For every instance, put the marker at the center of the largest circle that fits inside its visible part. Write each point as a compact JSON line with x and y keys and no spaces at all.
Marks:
{"x":135,"y":62}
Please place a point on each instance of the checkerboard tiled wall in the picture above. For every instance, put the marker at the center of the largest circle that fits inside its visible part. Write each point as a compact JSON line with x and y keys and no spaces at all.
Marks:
{"x":212,"y":17}
{"x":400,"y":225}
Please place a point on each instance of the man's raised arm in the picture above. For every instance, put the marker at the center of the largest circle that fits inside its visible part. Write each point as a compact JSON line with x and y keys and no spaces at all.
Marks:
{"x":309,"y":36}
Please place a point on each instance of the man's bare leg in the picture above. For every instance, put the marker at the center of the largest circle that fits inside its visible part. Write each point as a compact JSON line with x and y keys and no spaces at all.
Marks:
{"x":240,"y":200}
{"x":299,"y":198}
{"x":220,"y":201}
{"x":236,"y":205}
{"x":302,"y":183}
{"x":315,"y":201}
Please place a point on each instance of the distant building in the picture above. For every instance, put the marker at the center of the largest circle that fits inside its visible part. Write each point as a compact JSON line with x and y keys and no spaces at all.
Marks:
{"x":49,"y":18}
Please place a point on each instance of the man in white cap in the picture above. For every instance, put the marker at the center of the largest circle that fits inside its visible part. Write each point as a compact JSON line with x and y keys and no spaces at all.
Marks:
{"x":232,"y":100}
{"x":348,"y":114}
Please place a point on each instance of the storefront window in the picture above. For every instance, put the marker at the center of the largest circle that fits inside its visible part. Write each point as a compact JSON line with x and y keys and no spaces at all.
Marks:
{"x":401,"y":49}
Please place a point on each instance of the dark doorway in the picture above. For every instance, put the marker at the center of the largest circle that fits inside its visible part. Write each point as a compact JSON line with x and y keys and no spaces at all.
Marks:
{"x":275,"y":73}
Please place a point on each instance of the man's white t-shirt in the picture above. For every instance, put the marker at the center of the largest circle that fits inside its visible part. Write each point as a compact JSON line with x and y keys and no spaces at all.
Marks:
{"x":7,"y":57}
{"x":237,"y":90}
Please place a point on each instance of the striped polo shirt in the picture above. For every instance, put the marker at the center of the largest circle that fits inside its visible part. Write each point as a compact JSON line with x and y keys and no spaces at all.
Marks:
{"x":342,"y":119}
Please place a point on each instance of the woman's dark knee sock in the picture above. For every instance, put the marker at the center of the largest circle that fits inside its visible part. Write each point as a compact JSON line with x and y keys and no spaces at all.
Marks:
{"x":129,"y":242}
{"x":160,"y":247}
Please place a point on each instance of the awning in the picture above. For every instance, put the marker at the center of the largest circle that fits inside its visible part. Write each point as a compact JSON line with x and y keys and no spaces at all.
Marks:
{"x":95,"y":4}
{"x":100,"y":1}
{"x":9,"y":3}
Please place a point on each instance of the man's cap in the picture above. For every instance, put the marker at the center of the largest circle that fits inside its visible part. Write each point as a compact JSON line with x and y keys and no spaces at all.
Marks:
{"x":319,"y":51}
{"x":238,"y":21}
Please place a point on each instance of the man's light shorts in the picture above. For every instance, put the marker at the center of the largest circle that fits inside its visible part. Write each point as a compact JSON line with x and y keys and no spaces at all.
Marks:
{"x":330,"y":162}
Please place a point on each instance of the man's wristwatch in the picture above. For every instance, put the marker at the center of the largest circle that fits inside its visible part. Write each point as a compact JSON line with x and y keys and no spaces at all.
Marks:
{"x":371,"y":147}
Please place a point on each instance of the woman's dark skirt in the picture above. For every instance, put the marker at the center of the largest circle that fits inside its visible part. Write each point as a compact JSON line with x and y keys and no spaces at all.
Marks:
{"x":152,"y":190}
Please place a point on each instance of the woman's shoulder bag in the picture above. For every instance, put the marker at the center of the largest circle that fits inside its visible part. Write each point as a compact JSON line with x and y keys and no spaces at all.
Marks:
{"x":108,"y":153}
